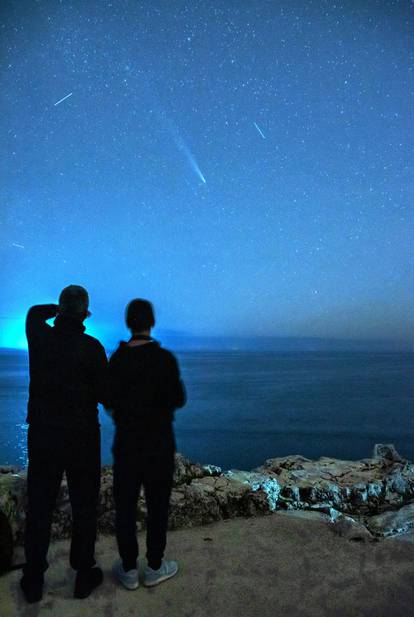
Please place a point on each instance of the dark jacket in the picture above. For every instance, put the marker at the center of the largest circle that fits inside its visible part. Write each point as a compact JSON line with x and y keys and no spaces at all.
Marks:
{"x":145,"y":387}
{"x":68,"y":370}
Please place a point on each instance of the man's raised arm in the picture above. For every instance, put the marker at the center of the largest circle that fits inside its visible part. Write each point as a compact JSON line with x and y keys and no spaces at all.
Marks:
{"x":36,"y":319}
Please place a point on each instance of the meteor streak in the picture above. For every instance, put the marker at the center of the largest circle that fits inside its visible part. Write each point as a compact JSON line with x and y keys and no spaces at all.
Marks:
{"x":64,"y":98}
{"x":259,"y":129}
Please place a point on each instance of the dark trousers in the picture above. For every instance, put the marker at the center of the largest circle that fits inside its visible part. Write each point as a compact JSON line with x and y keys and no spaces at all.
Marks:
{"x":147,"y":461}
{"x":53,"y":451}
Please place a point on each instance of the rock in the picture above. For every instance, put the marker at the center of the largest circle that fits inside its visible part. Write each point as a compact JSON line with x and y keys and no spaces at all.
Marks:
{"x":392,"y":522}
{"x":212,"y":470}
{"x":10,"y":469}
{"x":294,"y":461}
{"x":374,"y":490}
{"x":309,"y":515}
{"x":330,"y":513}
{"x":387,"y":452}
{"x":363,"y":486}
{"x":350,"y":529}
{"x":397,"y":483}
{"x":13,"y":501}
{"x":265,"y":484}
{"x":181,"y":472}
{"x":203,"y":493}
{"x":359,"y":493}
{"x":290,"y":496}
{"x":232,"y":496}
{"x":198,"y":506}
{"x":186,"y":471}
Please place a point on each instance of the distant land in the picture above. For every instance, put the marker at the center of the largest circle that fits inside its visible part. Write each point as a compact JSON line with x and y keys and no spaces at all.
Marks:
{"x":282,"y":344}
{"x":183,"y":342}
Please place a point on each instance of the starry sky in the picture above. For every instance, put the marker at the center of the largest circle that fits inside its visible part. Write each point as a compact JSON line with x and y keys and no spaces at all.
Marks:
{"x":245,"y":165}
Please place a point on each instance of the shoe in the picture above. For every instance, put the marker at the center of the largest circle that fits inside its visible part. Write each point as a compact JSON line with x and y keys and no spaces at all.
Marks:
{"x":86,"y":581}
{"x":32,"y":589}
{"x":166,"y":570}
{"x":128,"y":579}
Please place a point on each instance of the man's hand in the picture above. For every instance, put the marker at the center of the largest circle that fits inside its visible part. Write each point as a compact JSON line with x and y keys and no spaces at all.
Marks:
{"x":37,"y":317}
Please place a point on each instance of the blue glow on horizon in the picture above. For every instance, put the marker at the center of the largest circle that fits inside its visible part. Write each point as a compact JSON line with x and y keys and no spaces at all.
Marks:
{"x":13,"y":335}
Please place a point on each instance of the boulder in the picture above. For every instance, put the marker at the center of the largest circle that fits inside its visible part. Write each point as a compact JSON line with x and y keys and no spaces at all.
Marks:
{"x":350,"y":529}
{"x":186,"y":471}
{"x":13,"y":500}
{"x":264,"y":488}
{"x":393,"y":522}
{"x":387,"y":452}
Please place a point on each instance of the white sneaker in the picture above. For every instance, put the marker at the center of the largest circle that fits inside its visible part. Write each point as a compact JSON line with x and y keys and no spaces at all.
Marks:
{"x":128,"y":579}
{"x":166,"y":570}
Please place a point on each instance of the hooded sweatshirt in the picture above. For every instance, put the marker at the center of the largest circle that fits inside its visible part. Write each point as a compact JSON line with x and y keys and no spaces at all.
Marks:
{"x":68,"y":371}
{"x":145,"y":387}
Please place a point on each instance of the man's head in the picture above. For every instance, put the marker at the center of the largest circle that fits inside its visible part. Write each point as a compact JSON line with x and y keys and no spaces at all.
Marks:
{"x":139,"y":315}
{"x":74,"y":301}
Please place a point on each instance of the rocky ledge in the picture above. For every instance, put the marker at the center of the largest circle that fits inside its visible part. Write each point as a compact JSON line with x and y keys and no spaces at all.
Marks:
{"x":364,"y":500}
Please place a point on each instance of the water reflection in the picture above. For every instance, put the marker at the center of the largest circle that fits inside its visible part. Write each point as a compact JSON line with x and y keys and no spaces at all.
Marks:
{"x":21,"y":441}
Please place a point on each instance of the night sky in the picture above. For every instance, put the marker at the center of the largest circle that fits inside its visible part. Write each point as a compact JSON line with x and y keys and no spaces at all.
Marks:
{"x":245,"y":165}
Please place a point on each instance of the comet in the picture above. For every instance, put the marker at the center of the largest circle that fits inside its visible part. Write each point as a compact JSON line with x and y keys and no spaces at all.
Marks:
{"x":182,"y":147}
{"x":195,"y":167}
{"x":64,"y":99}
{"x":260,"y":130}
{"x":202,"y":178}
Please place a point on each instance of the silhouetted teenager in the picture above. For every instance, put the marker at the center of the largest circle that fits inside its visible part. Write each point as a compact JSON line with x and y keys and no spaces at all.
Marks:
{"x":68,"y":375}
{"x":145,"y":390}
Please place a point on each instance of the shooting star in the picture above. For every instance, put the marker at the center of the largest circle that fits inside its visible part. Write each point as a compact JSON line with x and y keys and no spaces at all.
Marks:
{"x":260,"y":130}
{"x":19,"y":246}
{"x":64,"y":98}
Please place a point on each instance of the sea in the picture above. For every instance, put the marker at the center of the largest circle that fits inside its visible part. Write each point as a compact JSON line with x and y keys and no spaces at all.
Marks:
{"x":247,"y":406}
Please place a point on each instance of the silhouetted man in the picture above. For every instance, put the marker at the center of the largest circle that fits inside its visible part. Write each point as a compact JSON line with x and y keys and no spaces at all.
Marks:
{"x":145,"y":390}
{"x":68,"y":371}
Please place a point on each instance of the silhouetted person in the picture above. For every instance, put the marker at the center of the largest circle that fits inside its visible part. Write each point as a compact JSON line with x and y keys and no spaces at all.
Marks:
{"x":68,"y":374}
{"x":145,"y":390}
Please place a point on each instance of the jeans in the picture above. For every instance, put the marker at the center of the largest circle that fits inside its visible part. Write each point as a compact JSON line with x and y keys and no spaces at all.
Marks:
{"x":148,"y":461}
{"x":53,"y":451}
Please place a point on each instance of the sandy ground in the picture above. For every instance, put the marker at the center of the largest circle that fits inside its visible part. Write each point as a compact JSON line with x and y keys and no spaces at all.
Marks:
{"x":278,"y":565}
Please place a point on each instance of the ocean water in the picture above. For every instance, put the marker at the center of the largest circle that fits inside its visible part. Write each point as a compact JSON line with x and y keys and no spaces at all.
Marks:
{"x":244,"y":407}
